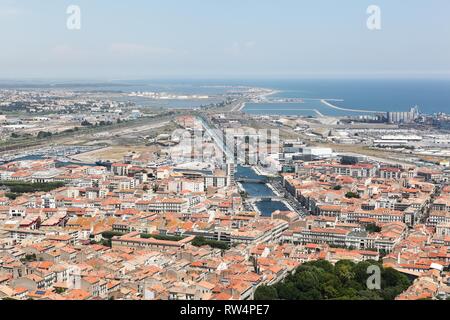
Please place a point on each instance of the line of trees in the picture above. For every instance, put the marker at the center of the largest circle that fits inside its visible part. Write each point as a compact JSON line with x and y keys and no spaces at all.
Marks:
{"x":17,"y":188}
{"x":198,"y":241}
{"x":201,"y":241}
{"x":161,"y":237}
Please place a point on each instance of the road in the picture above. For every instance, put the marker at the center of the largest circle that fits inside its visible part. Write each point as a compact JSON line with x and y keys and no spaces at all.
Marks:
{"x":213,"y":133}
{"x":88,"y":134}
{"x":289,"y":198}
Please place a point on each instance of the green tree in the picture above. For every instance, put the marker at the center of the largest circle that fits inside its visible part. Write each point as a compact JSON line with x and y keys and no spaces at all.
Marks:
{"x":201,"y":241}
{"x":391,"y":278}
{"x":351,"y":195}
{"x":325,"y":265}
{"x":344,"y":270}
{"x":266,"y":293}
{"x":288,"y":291}
{"x":372,"y":228}
{"x":345,"y":280}
{"x":360,"y":271}
{"x":306,"y":281}
{"x":43,"y":134}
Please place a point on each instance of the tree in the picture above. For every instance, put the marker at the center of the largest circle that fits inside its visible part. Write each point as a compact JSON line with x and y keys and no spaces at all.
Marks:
{"x":346,"y":280}
{"x":344,"y":270}
{"x":360,"y":271}
{"x":244,"y":195}
{"x":11,"y":195}
{"x":18,"y":187}
{"x":392,"y":278}
{"x":368,"y":295}
{"x":351,"y":195}
{"x":313,"y":294}
{"x":201,"y":241}
{"x":161,"y":237}
{"x":266,"y":293}
{"x":306,"y":281}
{"x":325,"y":265}
{"x":43,"y":134}
{"x":372,"y":228}
{"x":288,"y":291}
{"x":110,"y":234}
{"x":30,"y":257}
{"x":60,"y":290}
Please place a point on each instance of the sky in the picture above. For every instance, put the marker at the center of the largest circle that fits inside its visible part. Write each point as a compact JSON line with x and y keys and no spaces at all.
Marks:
{"x":138,"y":39}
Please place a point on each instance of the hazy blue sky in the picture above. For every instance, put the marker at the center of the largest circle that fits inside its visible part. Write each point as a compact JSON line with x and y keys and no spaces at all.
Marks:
{"x":227,"y":38}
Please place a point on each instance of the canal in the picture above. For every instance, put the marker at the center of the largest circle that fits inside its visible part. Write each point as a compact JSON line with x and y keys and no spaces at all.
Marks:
{"x":256,"y":190}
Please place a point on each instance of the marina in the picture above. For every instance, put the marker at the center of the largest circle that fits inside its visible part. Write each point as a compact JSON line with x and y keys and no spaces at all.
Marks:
{"x":62,"y":154}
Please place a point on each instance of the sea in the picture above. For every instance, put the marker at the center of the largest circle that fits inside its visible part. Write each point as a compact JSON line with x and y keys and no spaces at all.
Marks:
{"x":380,"y":95}
{"x":431,"y":96}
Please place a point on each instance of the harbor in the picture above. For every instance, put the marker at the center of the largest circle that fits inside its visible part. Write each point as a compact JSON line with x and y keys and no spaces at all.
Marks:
{"x":62,"y":154}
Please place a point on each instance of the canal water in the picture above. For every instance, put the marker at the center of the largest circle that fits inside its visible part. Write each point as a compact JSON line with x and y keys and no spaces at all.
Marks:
{"x":266,"y":207}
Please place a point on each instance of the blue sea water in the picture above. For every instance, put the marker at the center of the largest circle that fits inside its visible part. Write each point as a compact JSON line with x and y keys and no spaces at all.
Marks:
{"x":431,"y":96}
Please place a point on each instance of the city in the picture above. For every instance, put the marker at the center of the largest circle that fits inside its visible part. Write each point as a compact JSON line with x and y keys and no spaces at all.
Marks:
{"x":224,"y":159}
{"x":217,"y":208}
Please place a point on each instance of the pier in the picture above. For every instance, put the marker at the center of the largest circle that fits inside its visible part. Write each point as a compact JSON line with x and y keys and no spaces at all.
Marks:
{"x":325,"y":102}
{"x":317,"y":112}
